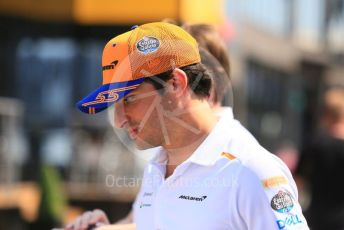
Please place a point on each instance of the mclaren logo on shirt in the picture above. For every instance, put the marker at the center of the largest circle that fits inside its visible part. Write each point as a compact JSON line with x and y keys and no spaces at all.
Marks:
{"x":193,"y":198}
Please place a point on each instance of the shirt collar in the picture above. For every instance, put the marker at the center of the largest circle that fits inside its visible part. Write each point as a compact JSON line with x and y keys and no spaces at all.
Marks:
{"x":160,"y":156}
{"x":226,"y":112}
{"x":211,"y":148}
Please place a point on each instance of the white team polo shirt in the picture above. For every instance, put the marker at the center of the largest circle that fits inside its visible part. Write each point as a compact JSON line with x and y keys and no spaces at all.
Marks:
{"x":229,"y":182}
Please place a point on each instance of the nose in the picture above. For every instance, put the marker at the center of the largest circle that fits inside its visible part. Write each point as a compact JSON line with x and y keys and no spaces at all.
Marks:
{"x":120,"y":118}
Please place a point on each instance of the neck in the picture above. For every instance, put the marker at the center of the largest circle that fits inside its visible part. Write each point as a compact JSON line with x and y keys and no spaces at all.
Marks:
{"x":193,"y":128}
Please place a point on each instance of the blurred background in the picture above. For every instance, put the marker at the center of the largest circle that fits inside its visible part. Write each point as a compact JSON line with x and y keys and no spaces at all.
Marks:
{"x":56,"y":162}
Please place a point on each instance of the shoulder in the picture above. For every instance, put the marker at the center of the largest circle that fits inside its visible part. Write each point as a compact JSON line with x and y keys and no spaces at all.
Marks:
{"x":265,"y":165}
{"x":257,"y":165}
{"x":264,"y":186}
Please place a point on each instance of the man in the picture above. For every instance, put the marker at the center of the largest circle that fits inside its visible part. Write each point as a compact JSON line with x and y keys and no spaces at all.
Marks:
{"x":220,"y":88}
{"x":208,"y":173}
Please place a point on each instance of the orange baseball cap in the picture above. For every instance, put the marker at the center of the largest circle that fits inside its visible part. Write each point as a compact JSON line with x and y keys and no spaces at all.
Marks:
{"x":129,"y":58}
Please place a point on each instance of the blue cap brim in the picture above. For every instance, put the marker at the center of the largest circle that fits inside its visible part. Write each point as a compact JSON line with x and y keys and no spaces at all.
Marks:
{"x":106,"y":95}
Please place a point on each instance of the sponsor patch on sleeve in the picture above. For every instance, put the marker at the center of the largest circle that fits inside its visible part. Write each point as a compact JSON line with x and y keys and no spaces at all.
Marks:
{"x":288,"y":221}
{"x":282,"y":202}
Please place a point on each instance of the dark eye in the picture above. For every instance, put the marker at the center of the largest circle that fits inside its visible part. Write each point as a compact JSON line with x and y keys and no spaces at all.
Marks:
{"x":129,"y":99}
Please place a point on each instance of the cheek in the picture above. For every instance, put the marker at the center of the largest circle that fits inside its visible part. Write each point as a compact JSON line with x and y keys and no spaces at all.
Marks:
{"x":136,"y":109}
{"x":143,"y":115}
{"x":151,"y":124}
{"x":169,"y":104}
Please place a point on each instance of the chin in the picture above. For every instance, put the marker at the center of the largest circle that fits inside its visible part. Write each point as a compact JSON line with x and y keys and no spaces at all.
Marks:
{"x":143,"y":145}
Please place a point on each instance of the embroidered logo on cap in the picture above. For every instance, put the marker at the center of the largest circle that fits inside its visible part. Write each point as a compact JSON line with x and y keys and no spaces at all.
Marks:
{"x":148,"y":45}
{"x":111,"y":66}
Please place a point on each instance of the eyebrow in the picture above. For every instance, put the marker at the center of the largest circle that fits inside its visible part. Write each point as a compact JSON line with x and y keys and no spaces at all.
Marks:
{"x":141,"y":95}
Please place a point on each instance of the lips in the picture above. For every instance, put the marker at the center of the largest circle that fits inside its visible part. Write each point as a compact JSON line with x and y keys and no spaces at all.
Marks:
{"x":133,"y":133}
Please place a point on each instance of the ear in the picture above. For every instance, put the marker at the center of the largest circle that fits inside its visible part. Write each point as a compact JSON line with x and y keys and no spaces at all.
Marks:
{"x":179,"y":82}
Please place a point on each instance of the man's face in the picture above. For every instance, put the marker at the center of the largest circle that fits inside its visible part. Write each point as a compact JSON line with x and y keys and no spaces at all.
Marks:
{"x":138,"y":113}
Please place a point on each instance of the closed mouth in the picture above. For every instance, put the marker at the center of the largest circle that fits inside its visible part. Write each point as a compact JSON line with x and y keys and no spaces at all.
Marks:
{"x":133,"y":133}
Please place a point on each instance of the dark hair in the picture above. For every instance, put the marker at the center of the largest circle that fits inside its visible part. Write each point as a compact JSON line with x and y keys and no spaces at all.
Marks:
{"x":211,"y":47}
{"x":219,"y":76}
{"x":199,"y":80}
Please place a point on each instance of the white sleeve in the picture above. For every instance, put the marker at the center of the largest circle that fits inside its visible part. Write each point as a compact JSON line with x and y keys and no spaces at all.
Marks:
{"x":261,"y":209}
